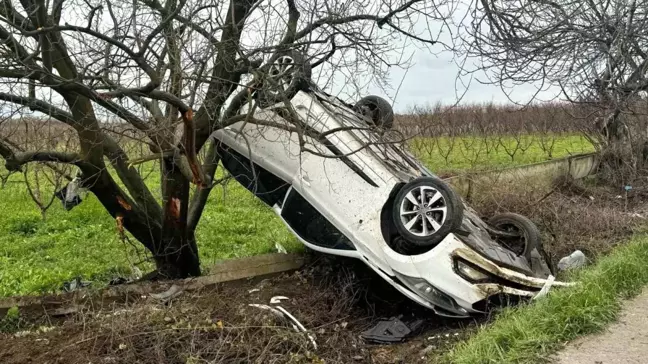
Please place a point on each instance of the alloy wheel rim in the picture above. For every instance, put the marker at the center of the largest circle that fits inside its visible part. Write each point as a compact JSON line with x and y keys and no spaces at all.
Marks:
{"x":423,"y":211}
{"x":281,"y":74}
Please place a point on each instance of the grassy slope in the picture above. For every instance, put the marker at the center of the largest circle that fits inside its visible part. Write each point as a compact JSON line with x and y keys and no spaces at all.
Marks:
{"x":529,"y":334}
{"x":37,"y":256}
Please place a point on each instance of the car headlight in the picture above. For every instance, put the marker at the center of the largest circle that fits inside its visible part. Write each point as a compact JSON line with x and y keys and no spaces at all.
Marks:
{"x":470,"y":273}
{"x":431,"y":293}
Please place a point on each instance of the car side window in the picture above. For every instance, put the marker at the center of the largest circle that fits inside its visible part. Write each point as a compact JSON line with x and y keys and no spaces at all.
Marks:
{"x":265,"y":185}
{"x":312,"y":226}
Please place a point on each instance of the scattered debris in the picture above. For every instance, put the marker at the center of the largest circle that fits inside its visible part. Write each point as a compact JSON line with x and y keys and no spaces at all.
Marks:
{"x":135,"y":276}
{"x":169,"y":294}
{"x":45,"y":329}
{"x":74,"y":285}
{"x":284,"y":314}
{"x":205,"y":320}
{"x":299,"y":324}
{"x":69,"y":194}
{"x":427,"y":349}
{"x":117,"y":281}
{"x":271,"y":309}
{"x":391,"y":331}
{"x":545,"y":289}
{"x":575,"y":260}
{"x":137,"y":273}
{"x":277,"y":299}
{"x":280,"y":248}
{"x":254,"y":290}
{"x":23,"y":333}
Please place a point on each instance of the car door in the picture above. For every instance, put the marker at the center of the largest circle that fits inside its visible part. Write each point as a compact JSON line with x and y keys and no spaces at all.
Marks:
{"x":264,"y":159}
{"x":311,"y":226}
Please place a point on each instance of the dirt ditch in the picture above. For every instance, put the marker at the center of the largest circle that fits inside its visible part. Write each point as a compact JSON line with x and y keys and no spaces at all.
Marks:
{"x":335,"y":299}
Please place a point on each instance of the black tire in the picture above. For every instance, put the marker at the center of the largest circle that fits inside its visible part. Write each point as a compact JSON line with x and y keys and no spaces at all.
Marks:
{"x":529,"y":234}
{"x":278,"y":85}
{"x":376,"y":109}
{"x":445,"y":224}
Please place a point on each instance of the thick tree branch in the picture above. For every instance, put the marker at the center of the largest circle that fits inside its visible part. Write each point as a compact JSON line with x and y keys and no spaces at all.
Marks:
{"x":16,"y":160}
{"x":40,"y":106}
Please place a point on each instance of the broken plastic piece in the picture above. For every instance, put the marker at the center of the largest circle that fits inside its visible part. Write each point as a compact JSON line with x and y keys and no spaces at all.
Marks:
{"x":391,"y":331}
{"x":545,"y":289}
{"x":280,"y":248}
{"x":69,"y":195}
{"x":277,"y":299}
{"x":273,"y":310}
{"x":575,"y":260}
{"x":172,"y":292}
{"x":284,"y":314}
{"x":296,"y":322}
{"x":74,"y":284}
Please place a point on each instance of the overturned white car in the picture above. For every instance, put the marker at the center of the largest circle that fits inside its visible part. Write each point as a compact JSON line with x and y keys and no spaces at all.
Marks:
{"x":343,"y":186}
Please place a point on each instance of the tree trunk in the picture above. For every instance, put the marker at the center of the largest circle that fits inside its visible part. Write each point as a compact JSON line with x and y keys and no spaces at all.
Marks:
{"x":623,"y":156}
{"x":176,"y":252}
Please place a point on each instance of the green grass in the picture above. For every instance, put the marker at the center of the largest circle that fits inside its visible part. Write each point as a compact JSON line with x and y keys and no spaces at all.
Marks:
{"x":530,"y":333}
{"x":37,"y":256}
{"x":462,"y":153}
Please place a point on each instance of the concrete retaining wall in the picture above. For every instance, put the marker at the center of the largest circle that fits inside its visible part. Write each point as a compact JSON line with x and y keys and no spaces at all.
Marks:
{"x":577,"y":166}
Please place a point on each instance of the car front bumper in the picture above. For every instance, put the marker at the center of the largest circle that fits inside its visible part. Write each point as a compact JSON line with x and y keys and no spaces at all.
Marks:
{"x":433,"y":278}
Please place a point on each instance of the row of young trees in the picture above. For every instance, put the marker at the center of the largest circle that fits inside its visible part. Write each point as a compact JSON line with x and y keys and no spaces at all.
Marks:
{"x":170,"y":73}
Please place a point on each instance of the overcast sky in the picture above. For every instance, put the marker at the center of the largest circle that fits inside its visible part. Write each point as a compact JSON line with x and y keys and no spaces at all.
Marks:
{"x":433,"y":78}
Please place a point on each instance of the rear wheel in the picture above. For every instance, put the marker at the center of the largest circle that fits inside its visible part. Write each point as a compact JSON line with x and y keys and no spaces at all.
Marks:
{"x":426,"y":210}
{"x":377,"y":110}
{"x":522,"y":235}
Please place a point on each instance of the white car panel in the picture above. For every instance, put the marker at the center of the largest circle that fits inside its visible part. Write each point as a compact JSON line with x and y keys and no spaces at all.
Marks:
{"x":352,"y":199}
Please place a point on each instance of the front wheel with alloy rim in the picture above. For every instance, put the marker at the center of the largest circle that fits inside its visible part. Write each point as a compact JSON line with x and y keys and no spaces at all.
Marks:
{"x":426,"y":210}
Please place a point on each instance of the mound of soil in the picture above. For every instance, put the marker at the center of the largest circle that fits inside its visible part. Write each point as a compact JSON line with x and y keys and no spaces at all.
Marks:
{"x":335,"y":299}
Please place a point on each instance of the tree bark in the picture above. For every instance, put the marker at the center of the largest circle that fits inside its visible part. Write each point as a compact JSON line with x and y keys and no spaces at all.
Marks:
{"x":176,"y":252}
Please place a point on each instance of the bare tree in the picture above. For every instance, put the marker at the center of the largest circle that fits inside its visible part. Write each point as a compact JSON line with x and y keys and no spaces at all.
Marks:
{"x":595,"y":51}
{"x":165,"y":75}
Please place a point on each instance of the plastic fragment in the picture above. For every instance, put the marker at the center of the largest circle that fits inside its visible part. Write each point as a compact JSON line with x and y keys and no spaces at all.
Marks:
{"x":277,"y":299}
{"x":284,"y":314}
{"x":280,"y":248}
{"x":545,"y":289}
{"x":575,"y":260}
